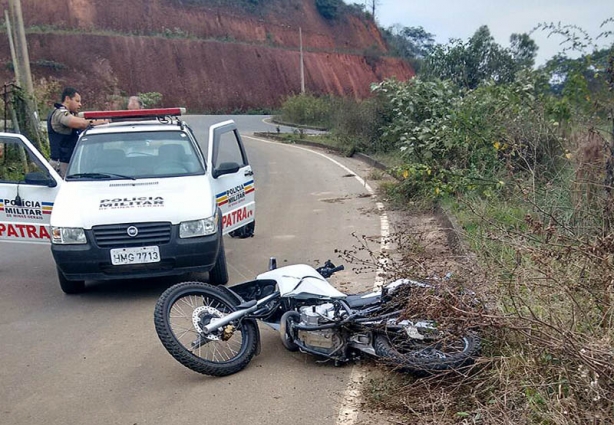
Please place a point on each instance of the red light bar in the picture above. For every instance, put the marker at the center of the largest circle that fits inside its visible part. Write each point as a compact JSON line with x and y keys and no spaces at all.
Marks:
{"x":132,"y":113}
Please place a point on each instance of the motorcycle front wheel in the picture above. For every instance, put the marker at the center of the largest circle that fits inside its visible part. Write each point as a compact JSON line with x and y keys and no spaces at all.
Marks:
{"x":181,"y":312}
{"x":425,"y":356}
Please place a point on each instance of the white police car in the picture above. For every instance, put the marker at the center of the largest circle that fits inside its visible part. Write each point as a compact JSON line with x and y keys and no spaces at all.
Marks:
{"x":140,"y":198}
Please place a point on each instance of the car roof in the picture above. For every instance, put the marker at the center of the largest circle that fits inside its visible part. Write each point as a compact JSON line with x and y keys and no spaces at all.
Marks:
{"x":136,"y":126}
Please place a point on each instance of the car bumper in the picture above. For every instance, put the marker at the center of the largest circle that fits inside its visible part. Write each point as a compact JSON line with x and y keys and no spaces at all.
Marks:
{"x":179,"y":256}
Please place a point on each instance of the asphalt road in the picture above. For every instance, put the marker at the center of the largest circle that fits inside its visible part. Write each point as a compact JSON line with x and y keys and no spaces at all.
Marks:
{"x":95,"y":358}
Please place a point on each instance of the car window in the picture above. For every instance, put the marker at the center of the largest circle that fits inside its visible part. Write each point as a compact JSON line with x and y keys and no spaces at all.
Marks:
{"x":16,"y":161}
{"x":135,"y":155}
{"x":230,"y":149}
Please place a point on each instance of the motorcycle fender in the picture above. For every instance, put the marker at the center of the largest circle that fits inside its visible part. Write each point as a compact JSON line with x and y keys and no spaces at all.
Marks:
{"x":258,"y":343}
{"x":232,"y":294}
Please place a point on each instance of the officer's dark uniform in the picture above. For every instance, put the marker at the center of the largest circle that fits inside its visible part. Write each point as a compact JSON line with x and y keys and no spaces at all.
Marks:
{"x":62,"y":139}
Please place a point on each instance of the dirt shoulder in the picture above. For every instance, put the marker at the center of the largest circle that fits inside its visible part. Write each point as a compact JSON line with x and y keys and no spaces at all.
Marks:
{"x":435,"y":250}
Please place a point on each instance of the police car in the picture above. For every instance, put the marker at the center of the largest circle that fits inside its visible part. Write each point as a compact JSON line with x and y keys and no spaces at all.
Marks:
{"x":140,"y":198}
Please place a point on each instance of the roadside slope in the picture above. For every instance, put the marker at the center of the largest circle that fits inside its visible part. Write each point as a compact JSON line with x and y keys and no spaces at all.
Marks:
{"x":205,"y":57}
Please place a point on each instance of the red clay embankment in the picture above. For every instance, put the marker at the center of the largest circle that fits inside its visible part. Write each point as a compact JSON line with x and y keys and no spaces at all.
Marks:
{"x":207,"y":58}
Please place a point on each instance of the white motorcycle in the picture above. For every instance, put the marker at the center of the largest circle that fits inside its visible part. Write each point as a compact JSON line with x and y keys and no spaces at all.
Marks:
{"x":212,"y":329}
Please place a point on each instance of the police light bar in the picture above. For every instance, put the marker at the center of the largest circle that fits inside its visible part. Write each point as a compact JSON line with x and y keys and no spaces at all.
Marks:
{"x":132,"y":113}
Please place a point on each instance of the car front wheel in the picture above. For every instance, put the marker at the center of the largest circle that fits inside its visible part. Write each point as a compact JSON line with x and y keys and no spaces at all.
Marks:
{"x":70,"y":286}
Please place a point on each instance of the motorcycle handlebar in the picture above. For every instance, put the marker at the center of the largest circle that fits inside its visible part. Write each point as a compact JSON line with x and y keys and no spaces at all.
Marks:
{"x":328,"y":269}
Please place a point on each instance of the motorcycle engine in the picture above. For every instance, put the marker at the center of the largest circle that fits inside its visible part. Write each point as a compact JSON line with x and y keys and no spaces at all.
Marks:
{"x":325,"y":341}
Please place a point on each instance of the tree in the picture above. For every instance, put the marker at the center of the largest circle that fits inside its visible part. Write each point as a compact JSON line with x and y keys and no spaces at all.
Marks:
{"x":329,"y":9}
{"x":480,"y":59}
{"x":409,"y":42}
{"x":523,"y":49}
{"x":372,"y":5}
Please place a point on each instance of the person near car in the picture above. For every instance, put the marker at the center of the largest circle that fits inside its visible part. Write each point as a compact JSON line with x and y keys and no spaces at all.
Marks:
{"x":135,"y":102}
{"x":64,"y":126}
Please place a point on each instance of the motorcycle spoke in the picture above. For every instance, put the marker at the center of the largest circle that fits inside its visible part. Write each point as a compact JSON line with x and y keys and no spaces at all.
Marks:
{"x":427,"y":349}
{"x":183,"y":331}
{"x":214,"y":350}
{"x":183,"y":308}
{"x":182,"y":316}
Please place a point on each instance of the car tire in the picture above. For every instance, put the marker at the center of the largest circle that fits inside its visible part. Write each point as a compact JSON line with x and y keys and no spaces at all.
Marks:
{"x":218,"y":275}
{"x":246,"y":231}
{"x":70,"y":286}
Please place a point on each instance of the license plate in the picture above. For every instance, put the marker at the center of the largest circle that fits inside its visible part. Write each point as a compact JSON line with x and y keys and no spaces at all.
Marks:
{"x":141,"y":255}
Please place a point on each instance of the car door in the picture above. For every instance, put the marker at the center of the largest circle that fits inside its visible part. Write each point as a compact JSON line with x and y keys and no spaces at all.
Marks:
{"x":233,"y":178}
{"x":28,"y":187}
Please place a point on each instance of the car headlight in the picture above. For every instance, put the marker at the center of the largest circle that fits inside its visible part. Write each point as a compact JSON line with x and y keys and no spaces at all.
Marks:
{"x":195,"y":228}
{"x":68,"y":235}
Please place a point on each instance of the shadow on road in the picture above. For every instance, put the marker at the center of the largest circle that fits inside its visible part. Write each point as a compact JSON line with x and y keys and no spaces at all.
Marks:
{"x":136,"y":288}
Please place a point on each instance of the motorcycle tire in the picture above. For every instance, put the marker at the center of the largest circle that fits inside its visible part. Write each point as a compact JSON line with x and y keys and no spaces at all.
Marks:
{"x":423,"y":357}
{"x":220,"y":353}
{"x":287,"y":339}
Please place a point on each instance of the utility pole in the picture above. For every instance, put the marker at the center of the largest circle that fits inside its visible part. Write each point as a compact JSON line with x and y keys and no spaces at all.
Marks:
{"x":21,"y":47}
{"x":9,"y":32}
{"x":300,"y":35}
{"x":23,"y":75}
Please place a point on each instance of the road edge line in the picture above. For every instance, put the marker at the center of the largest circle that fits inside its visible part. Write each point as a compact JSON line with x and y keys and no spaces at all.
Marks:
{"x":348,"y":412}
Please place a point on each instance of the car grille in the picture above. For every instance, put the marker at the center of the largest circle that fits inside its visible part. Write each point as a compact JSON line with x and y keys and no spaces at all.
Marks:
{"x":116,"y":235}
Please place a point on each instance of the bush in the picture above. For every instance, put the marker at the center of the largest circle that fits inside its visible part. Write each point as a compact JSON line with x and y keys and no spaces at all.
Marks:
{"x":150,"y":99}
{"x":459,"y":141}
{"x":355,"y":125}
{"x":306,"y":109}
{"x":357,"y":121}
{"x":329,"y":9}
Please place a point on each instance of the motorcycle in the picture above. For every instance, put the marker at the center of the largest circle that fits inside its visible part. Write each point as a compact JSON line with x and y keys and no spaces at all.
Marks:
{"x":213,"y":329}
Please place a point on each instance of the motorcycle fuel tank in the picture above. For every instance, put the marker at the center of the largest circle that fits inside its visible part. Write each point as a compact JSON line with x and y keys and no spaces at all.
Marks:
{"x":301,"y":281}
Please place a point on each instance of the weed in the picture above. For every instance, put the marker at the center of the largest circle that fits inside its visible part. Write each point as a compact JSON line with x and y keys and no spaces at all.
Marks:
{"x":375,"y":175}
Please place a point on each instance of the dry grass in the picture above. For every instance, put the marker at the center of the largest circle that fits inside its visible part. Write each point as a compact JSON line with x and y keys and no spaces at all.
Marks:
{"x":546,"y":318}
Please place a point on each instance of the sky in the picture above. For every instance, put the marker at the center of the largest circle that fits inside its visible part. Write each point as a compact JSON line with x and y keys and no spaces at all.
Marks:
{"x":447,"y":19}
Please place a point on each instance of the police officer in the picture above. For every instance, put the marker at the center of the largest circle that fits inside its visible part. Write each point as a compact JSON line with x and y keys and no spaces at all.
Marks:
{"x":64,"y":127}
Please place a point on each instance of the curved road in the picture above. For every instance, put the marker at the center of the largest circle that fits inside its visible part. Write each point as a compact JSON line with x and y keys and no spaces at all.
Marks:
{"x":95,"y":358}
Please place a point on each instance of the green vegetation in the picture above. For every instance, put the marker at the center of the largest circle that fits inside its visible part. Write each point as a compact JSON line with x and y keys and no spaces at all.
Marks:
{"x":337,"y":9}
{"x":250,"y":5}
{"x":524,"y":161}
{"x":480,"y":59}
{"x":355,"y":125}
{"x":329,"y":9}
{"x":150,"y":99}
{"x":21,"y":113}
{"x":410,"y":43}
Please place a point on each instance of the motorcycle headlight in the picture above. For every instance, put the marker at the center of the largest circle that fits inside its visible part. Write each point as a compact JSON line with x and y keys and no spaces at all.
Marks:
{"x":68,"y":235}
{"x":195,"y":228}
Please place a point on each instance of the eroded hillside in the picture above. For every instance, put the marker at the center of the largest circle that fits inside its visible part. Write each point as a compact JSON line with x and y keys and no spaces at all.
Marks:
{"x":198,"y":54}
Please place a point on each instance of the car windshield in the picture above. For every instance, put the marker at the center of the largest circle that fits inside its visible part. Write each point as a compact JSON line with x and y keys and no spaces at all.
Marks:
{"x":134,"y":155}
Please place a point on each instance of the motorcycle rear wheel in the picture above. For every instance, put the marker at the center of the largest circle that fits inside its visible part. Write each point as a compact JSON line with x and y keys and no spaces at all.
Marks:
{"x":426,"y":356}
{"x":220,"y":353}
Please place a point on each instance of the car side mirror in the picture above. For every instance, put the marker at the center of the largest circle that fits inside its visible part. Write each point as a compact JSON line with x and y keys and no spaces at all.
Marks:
{"x":39,"y":179}
{"x":225,"y":168}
